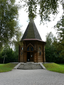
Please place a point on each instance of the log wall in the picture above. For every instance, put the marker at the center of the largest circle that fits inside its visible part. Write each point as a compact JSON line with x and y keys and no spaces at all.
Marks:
{"x":39,"y":51}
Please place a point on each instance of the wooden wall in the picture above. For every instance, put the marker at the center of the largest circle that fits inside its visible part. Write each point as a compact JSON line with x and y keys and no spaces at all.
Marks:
{"x":39,"y":51}
{"x":40,"y":57}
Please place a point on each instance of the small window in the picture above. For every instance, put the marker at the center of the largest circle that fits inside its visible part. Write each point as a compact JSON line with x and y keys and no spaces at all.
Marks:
{"x":39,"y":53}
{"x":30,"y":48}
{"x":39,"y":48}
{"x":22,"y":48}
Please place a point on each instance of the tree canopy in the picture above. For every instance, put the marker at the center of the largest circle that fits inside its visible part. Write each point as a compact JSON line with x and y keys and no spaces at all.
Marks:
{"x":8,"y":20}
{"x":54,"y":50}
{"x":46,"y":7}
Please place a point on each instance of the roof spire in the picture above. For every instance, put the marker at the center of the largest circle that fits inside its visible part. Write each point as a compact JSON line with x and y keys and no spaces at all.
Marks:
{"x":31,"y":31}
{"x":31,"y":20}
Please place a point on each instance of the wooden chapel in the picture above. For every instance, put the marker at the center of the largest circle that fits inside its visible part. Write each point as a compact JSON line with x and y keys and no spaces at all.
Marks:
{"x":32,"y":48}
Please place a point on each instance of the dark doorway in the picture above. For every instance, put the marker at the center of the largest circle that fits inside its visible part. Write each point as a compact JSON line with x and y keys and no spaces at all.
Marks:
{"x":30,"y":57}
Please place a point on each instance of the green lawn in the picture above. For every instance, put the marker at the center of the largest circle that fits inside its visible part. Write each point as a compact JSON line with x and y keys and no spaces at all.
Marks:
{"x":6,"y":67}
{"x":54,"y":67}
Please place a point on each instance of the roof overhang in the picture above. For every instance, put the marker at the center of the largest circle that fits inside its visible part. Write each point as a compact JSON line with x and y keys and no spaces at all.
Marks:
{"x":33,"y":40}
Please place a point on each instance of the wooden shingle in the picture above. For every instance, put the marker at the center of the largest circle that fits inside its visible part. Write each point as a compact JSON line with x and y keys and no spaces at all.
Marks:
{"x":31,"y":32}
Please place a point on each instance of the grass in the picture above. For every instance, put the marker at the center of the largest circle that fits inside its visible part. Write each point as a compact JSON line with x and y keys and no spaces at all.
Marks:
{"x":54,"y":67}
{"x":6,"y":67}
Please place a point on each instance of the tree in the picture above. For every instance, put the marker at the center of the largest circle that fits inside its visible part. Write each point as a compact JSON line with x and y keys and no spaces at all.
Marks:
{"x":46,"y":7}
{"x":16,"y":43}
{"x":1,"y":58}
{"x":7,"y":55}
{"x":49,"y":48}
{"x":54,"y":49}
{"x":60,"y":43}
{"x":60,"y":28}
{"x":8,"y":22}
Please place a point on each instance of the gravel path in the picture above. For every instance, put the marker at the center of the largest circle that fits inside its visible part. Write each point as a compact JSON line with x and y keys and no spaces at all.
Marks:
{"x":31,"y":77}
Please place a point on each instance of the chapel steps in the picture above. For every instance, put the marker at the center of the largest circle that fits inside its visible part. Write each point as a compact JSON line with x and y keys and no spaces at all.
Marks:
{"x":30,"y":65}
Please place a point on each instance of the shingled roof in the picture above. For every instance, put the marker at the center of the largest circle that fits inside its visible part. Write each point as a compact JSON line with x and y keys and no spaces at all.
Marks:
{"x":31,"y":32}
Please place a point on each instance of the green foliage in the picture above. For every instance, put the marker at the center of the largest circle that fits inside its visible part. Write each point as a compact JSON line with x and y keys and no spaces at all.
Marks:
{"x":55,"y":67}
{"x":60,"y":43}
{"x":60,"y":28}
{"x":46,"y":7}
{"x":16,"y":44}
{"x":8,"y":22}
{"x":32,"y":6}
{"x":8,"y":55}
{"x":54,"y":49}
{"x":49,"y":48}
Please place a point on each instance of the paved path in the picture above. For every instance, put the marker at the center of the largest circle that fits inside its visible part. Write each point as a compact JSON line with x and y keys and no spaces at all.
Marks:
{"x":31,"y":77}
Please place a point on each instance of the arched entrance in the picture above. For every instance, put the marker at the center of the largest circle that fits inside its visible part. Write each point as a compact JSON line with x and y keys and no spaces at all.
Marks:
{"x":30,"y":53}
{"x":30,"y":56}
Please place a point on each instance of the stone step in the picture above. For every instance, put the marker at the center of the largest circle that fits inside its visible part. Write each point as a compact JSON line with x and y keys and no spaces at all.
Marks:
{"x":29,"y":65}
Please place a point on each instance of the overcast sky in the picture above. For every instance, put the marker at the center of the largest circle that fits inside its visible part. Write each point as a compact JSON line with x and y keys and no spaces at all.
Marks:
{"x":43,"y":29}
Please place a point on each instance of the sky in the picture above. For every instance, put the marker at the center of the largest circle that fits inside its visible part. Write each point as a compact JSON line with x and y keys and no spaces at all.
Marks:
{"x":43,"y":29}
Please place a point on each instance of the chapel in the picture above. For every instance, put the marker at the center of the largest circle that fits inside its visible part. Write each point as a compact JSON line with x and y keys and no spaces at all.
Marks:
{"x":31,"y":48}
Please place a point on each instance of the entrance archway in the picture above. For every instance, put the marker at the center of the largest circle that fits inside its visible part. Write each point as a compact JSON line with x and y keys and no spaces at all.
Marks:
{"x":30,"y":53}
{"x":30,"y":57}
